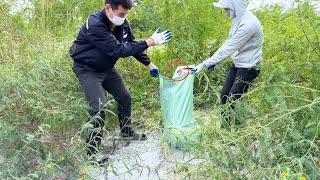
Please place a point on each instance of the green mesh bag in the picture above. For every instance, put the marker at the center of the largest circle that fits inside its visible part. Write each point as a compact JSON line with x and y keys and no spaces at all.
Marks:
{"x":180,"y":128}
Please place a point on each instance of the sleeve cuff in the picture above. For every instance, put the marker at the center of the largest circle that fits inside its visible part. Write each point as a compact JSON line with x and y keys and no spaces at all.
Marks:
{"x":208,"y":63}
{"x":144,"y":43}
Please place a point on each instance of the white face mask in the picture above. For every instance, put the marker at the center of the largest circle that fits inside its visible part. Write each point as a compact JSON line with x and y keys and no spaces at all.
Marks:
{"x":118,"y":21}
{"x":231,"y":13}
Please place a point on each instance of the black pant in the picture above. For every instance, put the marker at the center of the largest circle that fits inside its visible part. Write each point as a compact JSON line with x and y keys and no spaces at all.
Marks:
{"x":94,"y":85}
{"x":237,"y":83}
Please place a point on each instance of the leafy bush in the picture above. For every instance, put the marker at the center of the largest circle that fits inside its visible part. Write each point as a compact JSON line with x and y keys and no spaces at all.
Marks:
{"x":43,"y":112}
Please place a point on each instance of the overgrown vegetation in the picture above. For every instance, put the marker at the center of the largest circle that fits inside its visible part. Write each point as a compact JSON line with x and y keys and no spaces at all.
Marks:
{"x":43,"y":111}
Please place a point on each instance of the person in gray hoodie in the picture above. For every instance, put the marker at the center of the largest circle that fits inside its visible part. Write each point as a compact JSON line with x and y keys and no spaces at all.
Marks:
{"x":245,"y":48}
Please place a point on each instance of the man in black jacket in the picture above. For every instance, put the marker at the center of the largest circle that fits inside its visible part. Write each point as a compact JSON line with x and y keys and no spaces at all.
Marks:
{"x":103,"y":39}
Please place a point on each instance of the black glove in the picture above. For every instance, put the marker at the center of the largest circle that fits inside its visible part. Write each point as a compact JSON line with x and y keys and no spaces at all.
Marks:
{"x":211,"y":68}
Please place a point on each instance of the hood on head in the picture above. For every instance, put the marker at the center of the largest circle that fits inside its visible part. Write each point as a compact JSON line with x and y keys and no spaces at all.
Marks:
{"x":239,"y":6}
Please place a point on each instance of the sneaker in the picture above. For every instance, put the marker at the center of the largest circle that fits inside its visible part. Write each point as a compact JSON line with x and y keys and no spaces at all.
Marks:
{"x":134,"y":136}
{"x":102,"y":158}
{"x":99,"y":158}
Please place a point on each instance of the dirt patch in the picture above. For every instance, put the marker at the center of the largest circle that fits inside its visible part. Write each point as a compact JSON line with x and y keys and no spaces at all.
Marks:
{"x":150,"y":159}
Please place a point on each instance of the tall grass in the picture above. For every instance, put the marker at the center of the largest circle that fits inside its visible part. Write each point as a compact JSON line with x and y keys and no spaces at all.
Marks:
{"x":43,"y":111}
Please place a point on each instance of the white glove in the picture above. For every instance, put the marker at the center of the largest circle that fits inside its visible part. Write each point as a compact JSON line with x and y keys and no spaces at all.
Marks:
{"x":160,"y":38}
{"x":198,"y":68}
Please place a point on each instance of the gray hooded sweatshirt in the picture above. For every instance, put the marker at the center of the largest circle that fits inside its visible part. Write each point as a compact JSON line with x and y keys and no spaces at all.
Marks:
{"x":245,"y":37}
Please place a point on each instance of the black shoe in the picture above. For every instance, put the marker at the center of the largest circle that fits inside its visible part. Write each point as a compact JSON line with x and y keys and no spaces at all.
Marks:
{"x":98,"y":159}
{"x":103,"y":158}
{"x":134,"y":136}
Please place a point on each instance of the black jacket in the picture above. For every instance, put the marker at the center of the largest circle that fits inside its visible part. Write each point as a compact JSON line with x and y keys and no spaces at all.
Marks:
{"x":99,"y":47}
